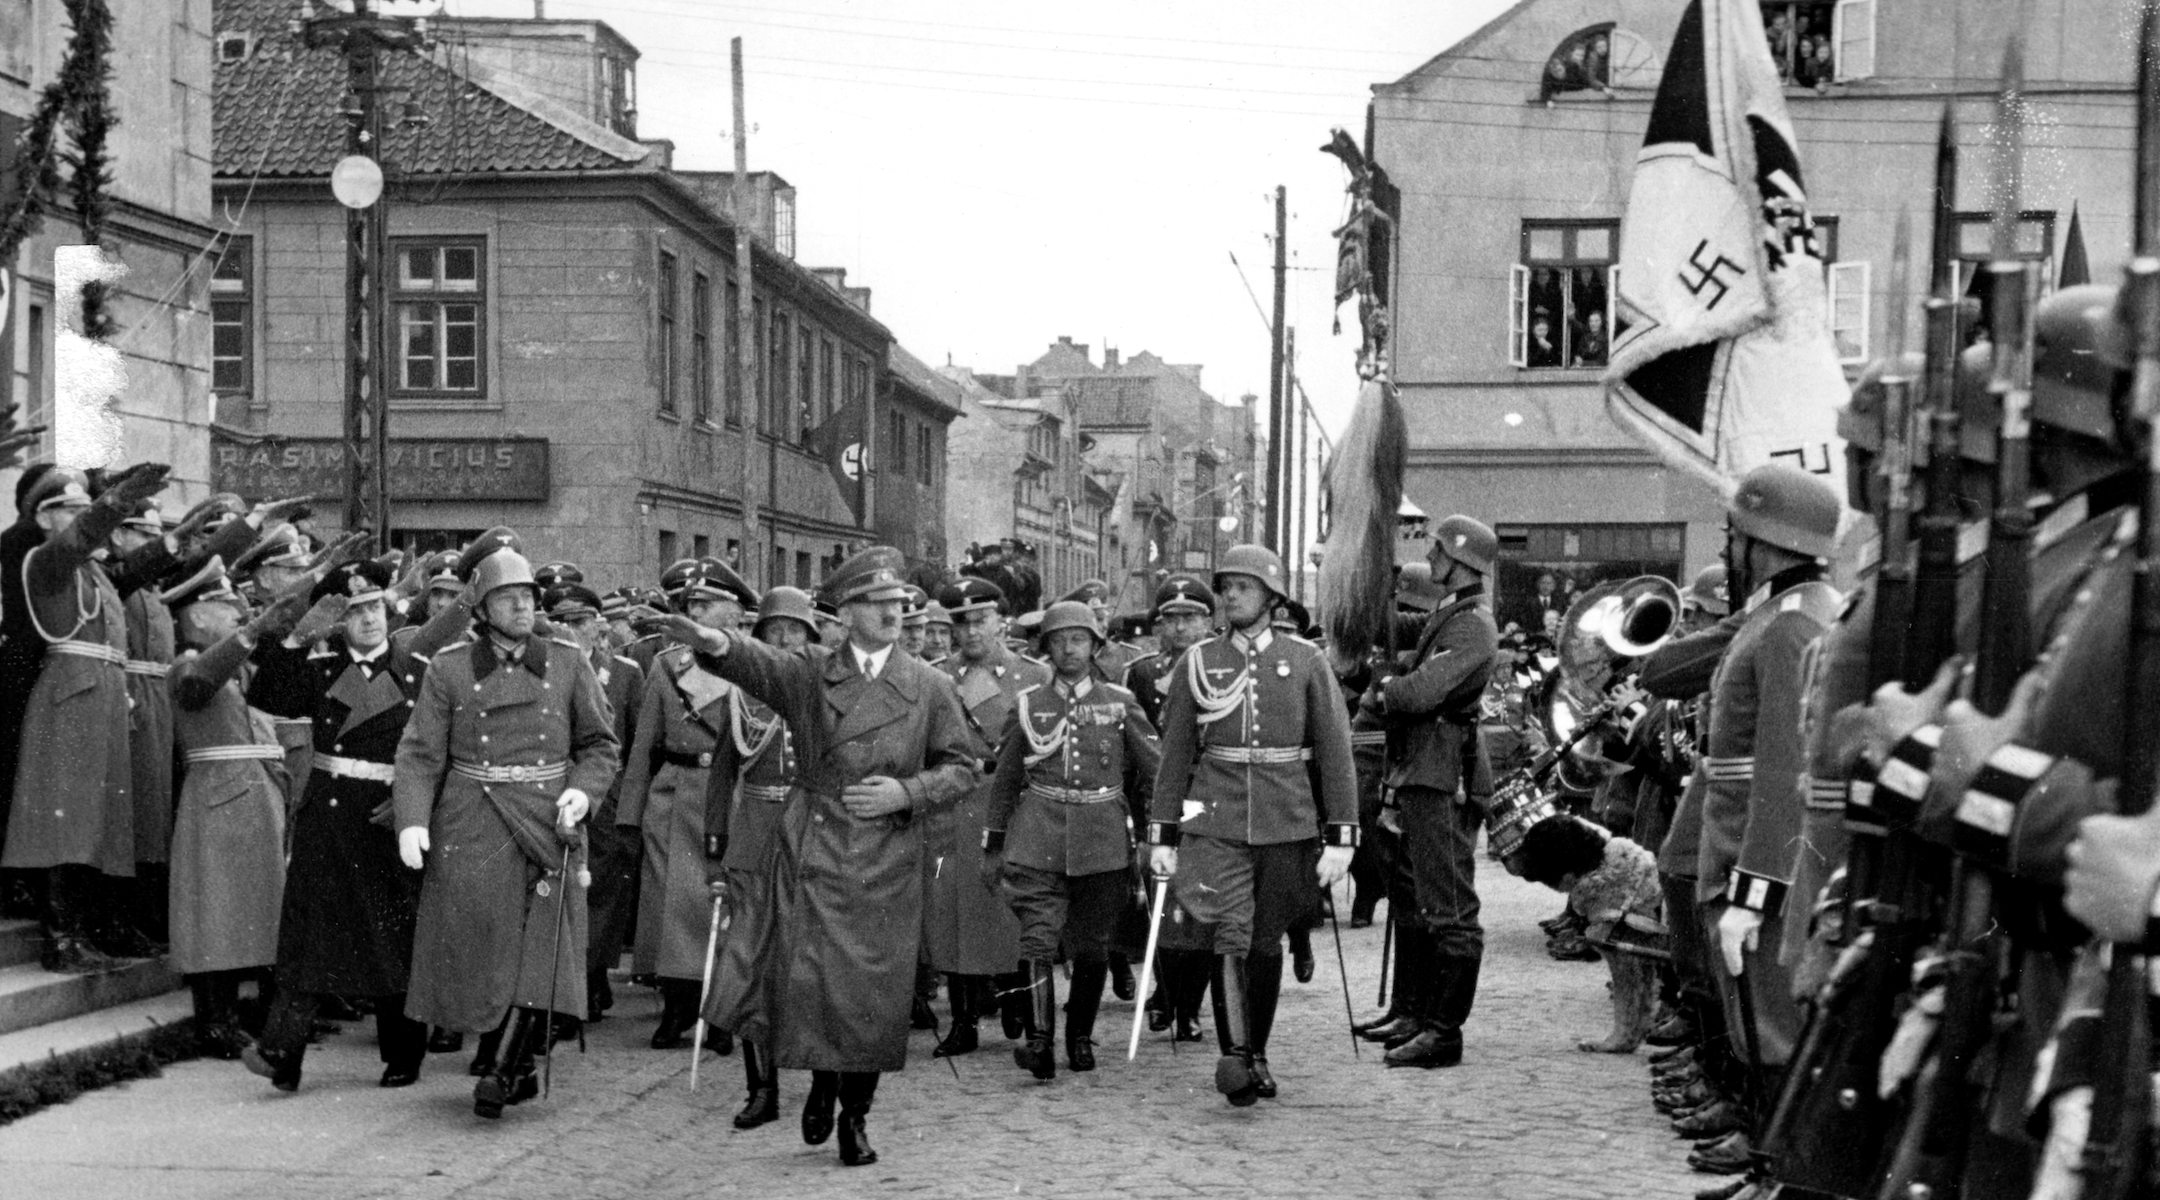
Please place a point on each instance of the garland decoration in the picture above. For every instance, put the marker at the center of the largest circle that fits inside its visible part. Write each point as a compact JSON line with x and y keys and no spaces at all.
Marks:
{"x":81,"y":96}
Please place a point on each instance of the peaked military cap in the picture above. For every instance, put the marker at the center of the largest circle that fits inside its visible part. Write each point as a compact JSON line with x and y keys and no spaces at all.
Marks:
{"x":711,"y":579}
{"x":359,"y":582}
{"x":971,"y":594}
{"x":59,"y":487}
{"x":441,"y":570}
{"x":551,"y":574}
{"x":872,"y":576}
{"x":1184,"y":594}
{"x":1091,"y":592}
{"x":210,"y":582}
{"x":566,"y":600}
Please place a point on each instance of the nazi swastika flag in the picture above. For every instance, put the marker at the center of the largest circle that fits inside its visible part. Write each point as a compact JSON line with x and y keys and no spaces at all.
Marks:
{"x":1723,"y":360}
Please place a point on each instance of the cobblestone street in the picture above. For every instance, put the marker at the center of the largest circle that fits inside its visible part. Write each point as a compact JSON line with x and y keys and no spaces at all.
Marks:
{"x":1526,"y":1116}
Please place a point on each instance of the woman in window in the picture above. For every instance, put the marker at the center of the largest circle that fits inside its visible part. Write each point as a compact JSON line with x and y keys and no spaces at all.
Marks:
{"x":1590,"y":348}
{"x":1544,"y":350}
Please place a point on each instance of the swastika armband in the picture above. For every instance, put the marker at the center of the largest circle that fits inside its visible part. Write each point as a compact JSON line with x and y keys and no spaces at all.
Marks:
{"x":1988,"y":811}
{"x":1757,"y":893}
{"x":1901,"y":782}
{"x":1162,"y":833}
{"x":1344,"y":834}
{"x":1860,"y":814}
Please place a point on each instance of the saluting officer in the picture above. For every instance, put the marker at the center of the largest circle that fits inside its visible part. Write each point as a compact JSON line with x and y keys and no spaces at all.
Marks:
{"x":1059,"y":834}
{"x":754,"y":768}
{"x":1437,"y":778}
{"x":1254,"y":727}
{"x":683,"y":716}
{"x":1184,"y":612}
{"x":509,"y":741}
{"x":345,"y":926}
{"x":881,"y":741}
{"x":970,"y":933}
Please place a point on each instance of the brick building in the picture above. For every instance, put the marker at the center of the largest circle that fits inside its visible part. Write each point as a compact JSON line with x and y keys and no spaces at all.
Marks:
{"x":1019,"y":471}
{"x":161,"y":226}
{"x":561,"y":328}
{"x":1503,"y":276}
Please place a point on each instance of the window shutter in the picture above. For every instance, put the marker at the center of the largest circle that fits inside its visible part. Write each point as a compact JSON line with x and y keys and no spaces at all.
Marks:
{"x":1849,"y":310}
{"x":1518,"y":352}
{"x":1853,"y":29}
{"x":1612,"y":308}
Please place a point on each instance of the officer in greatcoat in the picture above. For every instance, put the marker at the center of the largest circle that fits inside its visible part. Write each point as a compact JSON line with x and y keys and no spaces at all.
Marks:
{"x":574,"y":610}
{"x":264,"y":571}
{"x":1437,"y":779}
{"x":72,"y":812}
{"x":681,"y":719}
{"x":1183,"y":613}
{"x":346,"y":925}
{"x":970,"y":932}
{"x":509,"y":740}
{"x":228,"y":839}
{"x":754,"y":770}
{"x":1059,"y":834}
{"x":881,"y":741}
{"x":1255,"y":761}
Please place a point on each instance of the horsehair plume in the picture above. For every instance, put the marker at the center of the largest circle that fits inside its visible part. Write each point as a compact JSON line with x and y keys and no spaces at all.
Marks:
{"x":1364,"y":490}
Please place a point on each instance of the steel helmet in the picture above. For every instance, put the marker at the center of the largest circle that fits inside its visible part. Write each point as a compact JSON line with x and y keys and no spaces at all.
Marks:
{"x":504,"y":568}
{"x":1860,"y":421}
{"x":1259,"y":562}
{"x":1786,"y":507}
{"x":785,"y":604}
{"x":1414,"y":588}
{"x":1468,"y":541}
{"x":1708,"y":592}
{"x":1068,"y":614}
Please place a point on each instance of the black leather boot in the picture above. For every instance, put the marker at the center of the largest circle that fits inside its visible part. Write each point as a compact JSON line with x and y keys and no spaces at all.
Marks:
{"x":1401,"y":1022}
{"x":1081,"y":1005}
{"x":484,"y":1054}
{"x":1263,"y":989}
{"x":1452,"y":985}
{"x":678,"y":1010}
{"x":817,"y":1107}
{"x":445,"y":1041}
{"x":1039,"y":1022}
{"x":857,"y":1088}
{"x":1193,"y":972}
{"x":599,"y":995}
{"x":1121,"y":977}
{"x":962,"y":1038}
{"x":499,"y":1088}
{"x":70,"y":907}
{"x":1234,"y":1076}
{"x":1301,"y":955}
{"x":1010,"y":1000}
{"x":763,"y":1106}
{"x":1161,"y":1007}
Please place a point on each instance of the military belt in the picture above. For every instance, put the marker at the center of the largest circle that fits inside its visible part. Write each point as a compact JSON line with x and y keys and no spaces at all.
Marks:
{"x":1066,"y":795}
{"x":237,"y":753}
{"x":355,"y":768}
{"x":1257,"y":754}
{"x":96,"y":650}
{"x":143,"y":666}
{"x":770,"y":793}
{"x":694,"y":762}
{"x":521,"y":773}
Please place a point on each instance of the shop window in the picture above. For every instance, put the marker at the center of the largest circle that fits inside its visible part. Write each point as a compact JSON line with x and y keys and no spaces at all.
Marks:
{"x":441,"y":310}
{"x":1543,"y":568}
{"x":1560,"y":296}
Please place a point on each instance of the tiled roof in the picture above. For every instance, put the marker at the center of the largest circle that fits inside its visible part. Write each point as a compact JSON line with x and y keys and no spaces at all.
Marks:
{"x":919,"y":375}
{"x":276,"y":112}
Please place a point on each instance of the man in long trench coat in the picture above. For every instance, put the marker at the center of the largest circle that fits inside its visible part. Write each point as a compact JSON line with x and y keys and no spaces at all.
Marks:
{"x":508,"y":743}
{"x":820,"y":962}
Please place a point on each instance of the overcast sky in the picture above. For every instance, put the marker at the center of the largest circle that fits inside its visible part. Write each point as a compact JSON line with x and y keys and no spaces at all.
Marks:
{"x":1000,"y":174}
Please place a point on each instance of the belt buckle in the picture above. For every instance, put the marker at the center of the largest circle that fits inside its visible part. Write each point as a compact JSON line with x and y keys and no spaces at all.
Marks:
{"x":704,"y":759}
{"x":522,"y":774}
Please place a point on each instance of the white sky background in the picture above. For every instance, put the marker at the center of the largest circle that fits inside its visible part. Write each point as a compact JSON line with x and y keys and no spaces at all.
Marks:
{"x":1000,"y":174}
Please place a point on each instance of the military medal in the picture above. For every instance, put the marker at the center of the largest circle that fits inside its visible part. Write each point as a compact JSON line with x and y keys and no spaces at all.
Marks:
{"x":1282,"y":667}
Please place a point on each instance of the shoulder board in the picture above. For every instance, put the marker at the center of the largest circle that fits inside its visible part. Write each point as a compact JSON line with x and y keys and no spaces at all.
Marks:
{"x":1117,"y":692}
{"x":1033,"y":687}
{"x":456,"y":648}
{"x":650,"y":637}
{"x":190,"y":652}
{"x":321,"y":650}
{"x":566,"y":642}
{"x":1291,"y":637}
{"x":418,"y":657}
{"x":1816,"y":599}
{"x":628,"y":662}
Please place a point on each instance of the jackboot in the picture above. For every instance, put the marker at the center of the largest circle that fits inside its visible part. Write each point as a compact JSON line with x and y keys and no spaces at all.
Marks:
{"x":1301,"y":955}
{"x":857,"y":1089}
{"x":1081,"y":1004}
{"x":599,"y":994}
{"x":1263,"y":986}
{"x":1234,"y":1076}
{"x":70,"y":905}
{"x":484,"y":1054}
{"x":1193,"y":973}
{"x":1161,"y":1008}
{"x":499,"y":1088}
{"x":763,"y":1106}
{"x":1039,"y":1022}
{"x":1122,"y":984}
{"x":1401,"y":1022}
{"x":1010,"y":1000}
{"x":217,"y":1021}
{"x":962,"y":1038}
{"x":1445,"y":1006}
{"x":817,"y":1108}
{"x":678,"y":1011}
{"x":444,"y":1041}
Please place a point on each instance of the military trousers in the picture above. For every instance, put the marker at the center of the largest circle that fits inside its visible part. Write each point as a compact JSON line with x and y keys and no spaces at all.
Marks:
{"x":1439,"y":854}
{"x":1078,"y":911}
{"x":1251,"y":894}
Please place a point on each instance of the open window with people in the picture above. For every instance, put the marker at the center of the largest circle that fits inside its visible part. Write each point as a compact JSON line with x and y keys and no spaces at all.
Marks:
{"x":1561,"y":295}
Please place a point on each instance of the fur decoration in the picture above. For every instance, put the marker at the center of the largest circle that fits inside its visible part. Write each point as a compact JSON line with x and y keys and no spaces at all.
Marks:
{"x":1364,"y":491}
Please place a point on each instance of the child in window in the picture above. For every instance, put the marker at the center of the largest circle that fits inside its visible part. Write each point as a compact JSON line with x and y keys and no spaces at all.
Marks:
{"x":1612,"y":883}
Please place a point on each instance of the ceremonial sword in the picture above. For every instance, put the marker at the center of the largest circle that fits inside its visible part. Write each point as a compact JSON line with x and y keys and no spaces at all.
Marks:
{"x":712,"y":951}
{"x":1147,"y":970}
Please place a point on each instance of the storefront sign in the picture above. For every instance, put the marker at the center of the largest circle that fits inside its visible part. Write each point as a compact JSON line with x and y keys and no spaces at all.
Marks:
{"x":420,"y":468}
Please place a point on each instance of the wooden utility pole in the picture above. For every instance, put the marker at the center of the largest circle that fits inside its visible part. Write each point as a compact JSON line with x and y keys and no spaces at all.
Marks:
{"x":1278,"y":426}
{"x":1294,"y":562}
{"x":746,"y":365}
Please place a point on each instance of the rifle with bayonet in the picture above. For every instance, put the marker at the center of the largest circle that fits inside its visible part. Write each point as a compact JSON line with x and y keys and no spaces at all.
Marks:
{"x":1945,"y":1114}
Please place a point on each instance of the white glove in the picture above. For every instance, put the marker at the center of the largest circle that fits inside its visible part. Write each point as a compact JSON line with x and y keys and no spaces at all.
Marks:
{"x":1334,"y":864}
{"x":1162,"y":861}
{"x":1738,"y":930}
{"x":571,"y":807}
{"x":412,"y":843}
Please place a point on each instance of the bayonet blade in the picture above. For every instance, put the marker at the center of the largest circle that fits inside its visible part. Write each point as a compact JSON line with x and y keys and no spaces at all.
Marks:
{"x":1900,"y":295}
{"x":1942,"y":264}
{"x":2145,"y":225}
{"x":2009,"y":142}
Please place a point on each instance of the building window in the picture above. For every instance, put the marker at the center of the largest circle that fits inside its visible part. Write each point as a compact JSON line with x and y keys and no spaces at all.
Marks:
{"x":802,"y":569}
{"x":441,"y":318}
{"x":700,"y":545}
{"x":731,"y":356}
{"x":734,"y":553}
{"x":760,"y":381}
{"x":1848,"y":288}
{"x":233,"y":47}
{"x":232,"y":319}
{"x":668,"y":554}
{"x":779,"y":566}
{"x":828,"y":384}
{"x":701,"y":346}
{"x":806,"y":413}
{"x":925,"y":460}
{"x":1815,"y":43}
{"x":899,"y":444}
{"x":1560,"y":311}
{"x":667,"y":333}
{"x":1976,"y":248}
{"x":781,"y":375}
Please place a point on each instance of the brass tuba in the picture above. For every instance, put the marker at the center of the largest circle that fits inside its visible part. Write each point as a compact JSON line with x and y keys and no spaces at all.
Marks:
{"x":1604,"y":632}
